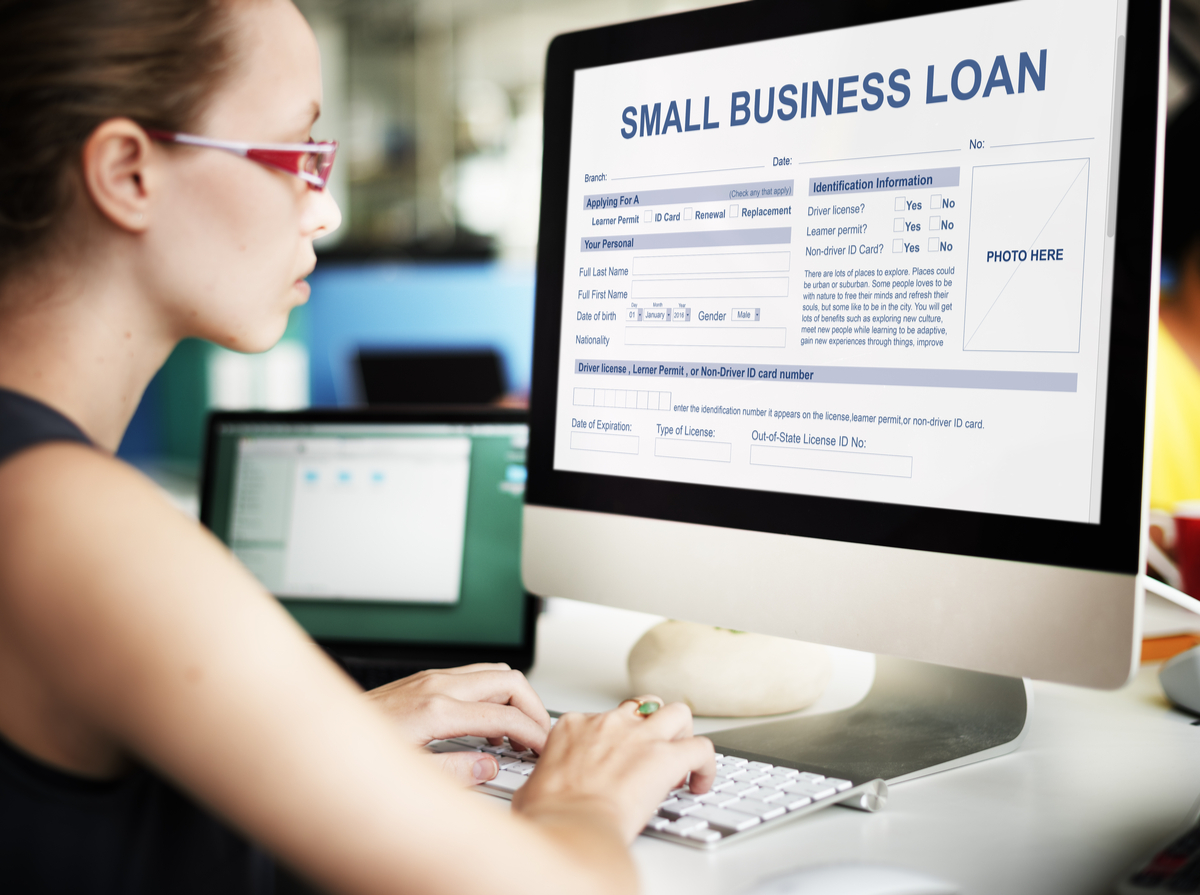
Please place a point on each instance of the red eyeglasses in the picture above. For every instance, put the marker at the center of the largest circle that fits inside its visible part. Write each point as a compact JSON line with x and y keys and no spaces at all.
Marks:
{"x":310,"y":161}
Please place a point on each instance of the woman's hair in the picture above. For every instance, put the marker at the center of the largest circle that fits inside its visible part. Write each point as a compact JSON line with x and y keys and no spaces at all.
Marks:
{"x":66,"y":66}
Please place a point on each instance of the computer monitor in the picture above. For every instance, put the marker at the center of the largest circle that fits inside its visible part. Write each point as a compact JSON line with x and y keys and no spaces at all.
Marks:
{"x":393,"y":536}
{"x":843,"y":325}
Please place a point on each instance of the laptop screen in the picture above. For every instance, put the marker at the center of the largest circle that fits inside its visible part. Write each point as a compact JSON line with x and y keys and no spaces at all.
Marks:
{"x":378,"y":531}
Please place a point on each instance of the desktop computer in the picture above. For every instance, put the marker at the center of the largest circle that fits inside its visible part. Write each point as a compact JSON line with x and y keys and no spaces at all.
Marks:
{"x":842,"y":333}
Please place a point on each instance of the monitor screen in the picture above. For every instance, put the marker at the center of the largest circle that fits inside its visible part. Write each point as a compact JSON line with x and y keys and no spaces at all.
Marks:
{"x":378,"y":531}
{"x":873,"y":263}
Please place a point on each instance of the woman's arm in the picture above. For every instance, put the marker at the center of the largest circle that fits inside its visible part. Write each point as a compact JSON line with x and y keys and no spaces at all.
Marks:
{"x":143,"y":629}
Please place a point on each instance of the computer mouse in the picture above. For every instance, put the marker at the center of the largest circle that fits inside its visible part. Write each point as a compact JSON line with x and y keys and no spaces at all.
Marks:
{"x":853,"y":879}
{"x":1180,"y":679}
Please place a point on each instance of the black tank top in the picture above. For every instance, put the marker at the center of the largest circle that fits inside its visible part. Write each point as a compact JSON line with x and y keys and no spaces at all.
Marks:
{"x":62,"y":833}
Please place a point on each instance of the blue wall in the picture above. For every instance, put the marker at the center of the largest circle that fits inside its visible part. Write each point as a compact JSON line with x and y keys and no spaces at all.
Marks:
{"x":415,"y":305}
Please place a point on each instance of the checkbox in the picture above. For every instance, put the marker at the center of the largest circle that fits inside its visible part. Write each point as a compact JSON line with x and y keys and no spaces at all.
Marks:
{"x":898,"y":225}
{"x":935,"y":222}
{"x":897,"y":245}
{"x":935,"y":202}
{"x":934,"y":245}
{"x":900,"y":206}
{"x":647,"y":216}
{"x":733,"y":211}
{"x":687,"y":214}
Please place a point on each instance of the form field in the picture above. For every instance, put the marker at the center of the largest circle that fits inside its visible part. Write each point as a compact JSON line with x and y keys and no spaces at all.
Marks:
{"x":620,"y":397}
{"x":708,"y":336}
{"x":609,"y":444}
{"x":832,"y":461}
{"x":690,"y":449}
{"x":732,"y":262}
{"x":738,"y":287}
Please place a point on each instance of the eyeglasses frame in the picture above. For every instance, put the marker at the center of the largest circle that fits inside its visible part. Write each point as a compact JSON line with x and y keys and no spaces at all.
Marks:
{"x":272,"y":155}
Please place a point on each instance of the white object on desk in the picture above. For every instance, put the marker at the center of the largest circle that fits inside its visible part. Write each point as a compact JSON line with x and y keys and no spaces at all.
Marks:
{"x":727,"y":673}
{"x":853,"y":879}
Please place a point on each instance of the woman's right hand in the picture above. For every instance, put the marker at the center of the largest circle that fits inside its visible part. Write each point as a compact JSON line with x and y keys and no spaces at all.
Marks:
{"x":619,"y":763}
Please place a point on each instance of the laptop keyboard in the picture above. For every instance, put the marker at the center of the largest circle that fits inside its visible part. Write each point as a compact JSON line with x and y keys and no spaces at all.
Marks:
{"x":746,"y":796}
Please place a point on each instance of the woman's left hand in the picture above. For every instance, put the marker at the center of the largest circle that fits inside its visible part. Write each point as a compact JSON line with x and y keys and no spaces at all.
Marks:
{"x":484,"y":700}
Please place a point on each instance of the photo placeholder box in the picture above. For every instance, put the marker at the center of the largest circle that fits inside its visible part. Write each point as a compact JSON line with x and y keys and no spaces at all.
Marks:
{"x":1024,"y":288}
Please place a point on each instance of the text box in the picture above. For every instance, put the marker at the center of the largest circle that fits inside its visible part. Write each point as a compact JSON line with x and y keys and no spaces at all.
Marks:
{"x":894,"y":465}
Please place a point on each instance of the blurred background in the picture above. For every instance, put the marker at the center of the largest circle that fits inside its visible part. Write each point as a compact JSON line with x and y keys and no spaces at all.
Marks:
{"x":437,"y":105}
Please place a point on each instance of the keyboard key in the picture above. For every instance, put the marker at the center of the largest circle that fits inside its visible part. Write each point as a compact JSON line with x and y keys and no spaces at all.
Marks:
{"x":811,"y":778}
{"x":731,"y":759}
{"x":758,"y":809}
{"x":524,"y":768}
{"x":759,"y":765}
{"x":704,"y":834}
{"x":742,"y":789}
{"x":657,"y":823}
{"x":793,"y":802}
{"x":837,"y":783}
{"x":770,"y":794}
{"x":779,"y":771}
{"x":719,"y":799}
{"x":725,"y":820}
{"x":684,"y":824}
{"x":814,"y":791}
{"x":508,"y":782}
{"x":675,"y":808}
{"x":722,"y":783}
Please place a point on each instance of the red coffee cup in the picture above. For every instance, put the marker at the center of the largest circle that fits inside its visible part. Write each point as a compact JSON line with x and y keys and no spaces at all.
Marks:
{"x":1181,"y":534}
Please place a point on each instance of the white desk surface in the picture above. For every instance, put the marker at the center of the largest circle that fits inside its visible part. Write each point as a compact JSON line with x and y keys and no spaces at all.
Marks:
{"x":1100,"y":780}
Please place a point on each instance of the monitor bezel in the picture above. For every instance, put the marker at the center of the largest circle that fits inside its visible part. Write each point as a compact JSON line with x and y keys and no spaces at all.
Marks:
{"x":409,"y":653}
{"x":1112,"y":545}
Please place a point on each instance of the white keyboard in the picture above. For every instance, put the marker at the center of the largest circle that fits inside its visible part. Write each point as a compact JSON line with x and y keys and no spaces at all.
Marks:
{"x":746,"y":797}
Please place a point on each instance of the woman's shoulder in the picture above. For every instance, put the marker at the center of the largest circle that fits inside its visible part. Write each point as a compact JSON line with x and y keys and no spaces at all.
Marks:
{"x":26,"y":422}
{"x":74,"y":518}
{"x":61,"y":475}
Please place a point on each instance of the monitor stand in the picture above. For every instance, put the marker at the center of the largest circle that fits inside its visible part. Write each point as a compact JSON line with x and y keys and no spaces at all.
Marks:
{"x":917,"y":719}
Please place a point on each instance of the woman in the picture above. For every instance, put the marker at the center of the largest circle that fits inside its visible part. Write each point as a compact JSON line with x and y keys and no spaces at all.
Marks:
{"x":155,"y":698}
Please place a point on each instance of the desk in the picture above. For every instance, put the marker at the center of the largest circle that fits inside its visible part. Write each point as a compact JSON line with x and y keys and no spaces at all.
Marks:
{"x":1100,"y":779}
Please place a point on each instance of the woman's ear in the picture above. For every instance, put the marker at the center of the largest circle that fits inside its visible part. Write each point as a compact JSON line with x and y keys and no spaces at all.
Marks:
{"x":116,"y":171}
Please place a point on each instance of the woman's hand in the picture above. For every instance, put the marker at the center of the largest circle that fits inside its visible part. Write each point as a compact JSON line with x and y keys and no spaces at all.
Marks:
{"x":620,"y":763}
{"x":484,"y":700}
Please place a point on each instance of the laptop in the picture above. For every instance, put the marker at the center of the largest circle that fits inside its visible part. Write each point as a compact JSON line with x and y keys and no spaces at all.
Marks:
{"x":393,"y":536}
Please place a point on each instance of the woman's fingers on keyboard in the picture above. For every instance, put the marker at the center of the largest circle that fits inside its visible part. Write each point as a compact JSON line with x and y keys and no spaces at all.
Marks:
{"x":468,"y":768}
{"x":701,"y":761}
{"x":672,"y":722}
{"x":506,"y":686}
{"x":456,"y":718}
{"x":621,"y":757}
{"x":419,"y":702}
